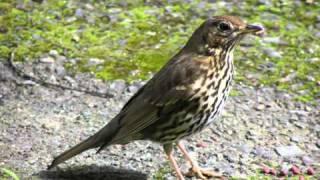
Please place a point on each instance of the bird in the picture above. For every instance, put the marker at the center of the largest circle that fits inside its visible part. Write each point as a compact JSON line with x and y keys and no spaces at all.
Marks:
{"x":181,"y":99}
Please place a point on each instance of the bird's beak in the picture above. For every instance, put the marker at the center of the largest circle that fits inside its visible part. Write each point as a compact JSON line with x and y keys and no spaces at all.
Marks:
{"x":254,"y":29}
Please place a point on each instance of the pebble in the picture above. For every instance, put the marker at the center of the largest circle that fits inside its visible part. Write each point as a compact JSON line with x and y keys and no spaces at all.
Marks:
{"x":53,"y":53}
{"x":284,"y":171}
{"x":273,"y":172}
{"x":260,"y":107}
{"x":289,"y":151}
{"x":202,"y":144}
{"x":51,"y":125}
{"x":295,"y":170}
{"x":47,"y":59}
{"x":307,"y":160}
{"x":310,"y":171}
{"x":265,"y":170}
{"x":118,"y":86}
{"x":272,"y":53}
{"x":275,"y":40}
{"x":94,"y":61}
{"x":60,"y":71}
{"x":79,"y":13}
{"x":296,"y":139}
{"x":245,"y":148}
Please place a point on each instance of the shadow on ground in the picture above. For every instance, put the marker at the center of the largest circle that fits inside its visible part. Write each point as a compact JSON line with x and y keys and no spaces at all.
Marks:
{"x":91,"y":172}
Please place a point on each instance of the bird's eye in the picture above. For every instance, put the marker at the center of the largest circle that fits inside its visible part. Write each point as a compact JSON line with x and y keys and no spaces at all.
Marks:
{"x":224,"y":27}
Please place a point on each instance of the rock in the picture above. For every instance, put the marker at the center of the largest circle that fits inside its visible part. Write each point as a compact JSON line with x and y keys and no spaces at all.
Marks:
{"x":70,"y":80}
{"x":272,"y":53}
{"x":51,"y":125}
{"x":318,"y":143}
{"x":307,"y":160}
{"x":201,"y":144}
{"x":290,"y":77}
{"x":296,"y":139}
{"x":310,"y":171}
{"x":295,"y":170}
{"x":133,"y":88}
{"x":118,"y":86}
{"x":47,"y":59}
{"x":289,"y":151}
{"x":260,"y":107}
{"x":53,"y":53}
{"x":79,"y":13}
{"x":230,"y":158}
{"x":284,"y":171}
{"x":275,"y":40}
{"x":60,"y":71}
{"x":94,"y":61}
{"x":244,"y":148}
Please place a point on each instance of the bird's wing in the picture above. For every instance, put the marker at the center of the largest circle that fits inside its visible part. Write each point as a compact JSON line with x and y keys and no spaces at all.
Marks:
{"x":168,"y":87}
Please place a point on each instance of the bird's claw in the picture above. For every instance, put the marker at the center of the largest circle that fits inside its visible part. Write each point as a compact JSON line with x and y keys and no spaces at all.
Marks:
{"x":202,"y":173}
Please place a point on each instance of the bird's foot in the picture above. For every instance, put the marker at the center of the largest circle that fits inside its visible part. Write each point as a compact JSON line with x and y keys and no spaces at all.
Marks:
{"x":203,"y":173}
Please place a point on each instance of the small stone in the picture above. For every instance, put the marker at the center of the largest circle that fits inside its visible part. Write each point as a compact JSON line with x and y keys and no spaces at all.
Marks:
{"x":60,"y":71}
{"x":289,"y":78}
{"x":310,"y":171}
{"x":70,"y":80}
{"x":295,"y":170}
{"x":53,"y":53}
{"x":299,"y":124}
{"x":272,"y":53}
{"x":284,"y":171}
{"x":296,"y":139}
{"x":118,"y":85}
{"x":260,"y":107}
{"x":51,"y":125}
{"x":202,"y":144}
{"x":245,"y":148}
{"x":273,"y":171}
{"x":289,"y":151}
{"x":265,"y":170}
{"x":133,"y":88}
{"x":230,"y":158}
{"x":79,"y":13}
{"x":307,"y":160}
{"x":47,"y":59}
{"x":275,"y":40}
{"x":94,"y":61}
{"x":29,"y":82}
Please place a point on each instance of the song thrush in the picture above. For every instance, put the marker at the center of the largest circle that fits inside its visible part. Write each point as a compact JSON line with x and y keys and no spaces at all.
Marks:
{"x":184,"y":97}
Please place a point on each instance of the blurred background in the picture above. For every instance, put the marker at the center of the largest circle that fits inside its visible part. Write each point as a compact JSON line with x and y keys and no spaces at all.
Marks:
{"x":130,"y":40}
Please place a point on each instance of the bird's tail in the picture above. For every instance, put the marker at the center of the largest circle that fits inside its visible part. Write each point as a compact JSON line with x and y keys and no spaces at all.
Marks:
{"x":100,"y":138}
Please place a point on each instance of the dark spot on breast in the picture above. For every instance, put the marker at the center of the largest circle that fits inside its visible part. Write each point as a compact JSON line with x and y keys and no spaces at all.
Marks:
{"x":210,"y":76}
{"x":205,"y":98}
{"x":203,"y":93}
{"x":205,"y":106}
{"x":214,"y":94}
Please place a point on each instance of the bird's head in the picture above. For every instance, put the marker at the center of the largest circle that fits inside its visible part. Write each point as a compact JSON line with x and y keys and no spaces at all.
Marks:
{"x":221,"y":32}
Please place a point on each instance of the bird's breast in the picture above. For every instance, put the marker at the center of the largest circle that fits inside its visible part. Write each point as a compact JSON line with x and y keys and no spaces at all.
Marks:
{"x":214,"y":90}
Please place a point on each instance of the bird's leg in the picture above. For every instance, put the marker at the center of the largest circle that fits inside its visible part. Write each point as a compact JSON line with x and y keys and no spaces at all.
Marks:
{"x":169,"y":152}
{"x":196,"y":169}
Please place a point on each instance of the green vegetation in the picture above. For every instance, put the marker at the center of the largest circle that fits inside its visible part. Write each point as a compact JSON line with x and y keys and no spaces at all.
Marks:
{"x":8,"y":174}
{"x":133,"y":39}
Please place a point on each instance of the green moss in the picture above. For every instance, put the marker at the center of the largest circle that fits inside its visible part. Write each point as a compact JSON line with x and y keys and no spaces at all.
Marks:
{"x":138,"y":38}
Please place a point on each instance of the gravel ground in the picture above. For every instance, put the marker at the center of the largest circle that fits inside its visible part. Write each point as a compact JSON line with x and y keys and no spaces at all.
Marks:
{"x":259,"y":126}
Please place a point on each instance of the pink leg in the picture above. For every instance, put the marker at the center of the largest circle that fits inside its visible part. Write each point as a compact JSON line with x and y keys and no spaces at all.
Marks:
{"x":169,"y":152}
{"x":196,"y":170}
